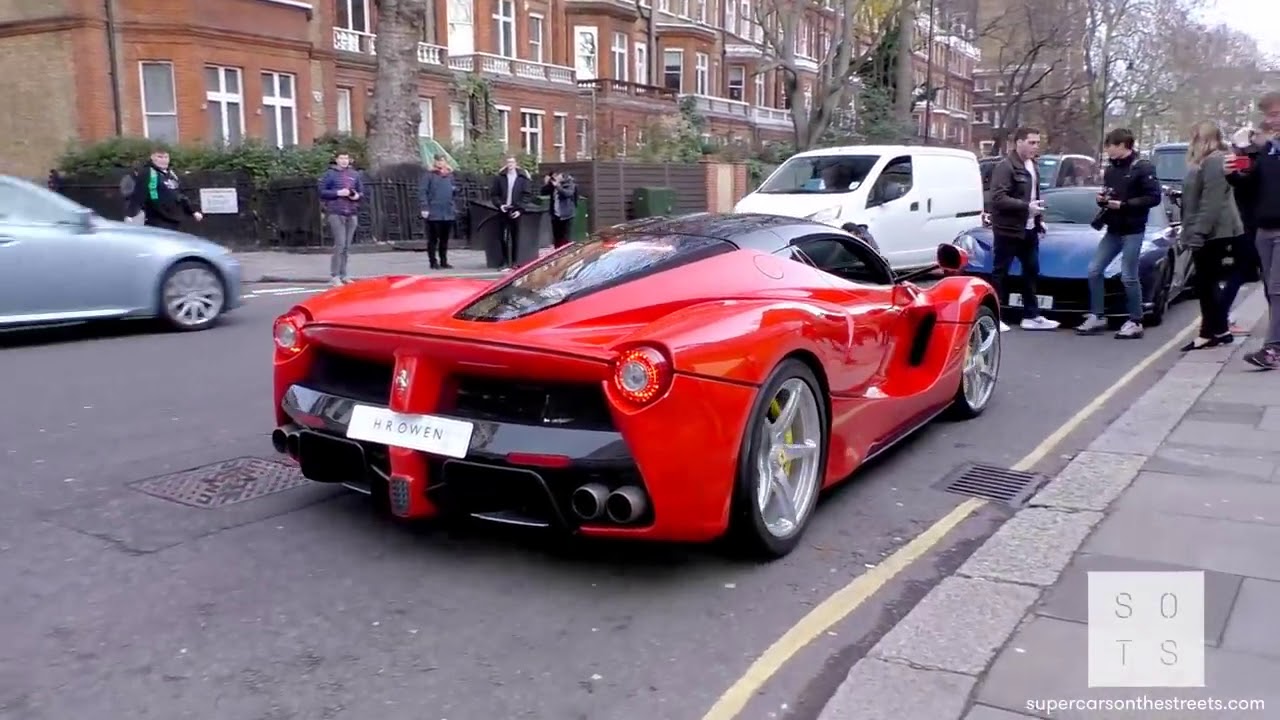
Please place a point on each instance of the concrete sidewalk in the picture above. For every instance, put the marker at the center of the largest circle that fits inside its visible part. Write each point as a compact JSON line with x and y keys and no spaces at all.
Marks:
{"x":276,"y":267}
{"x":1188,"y":478}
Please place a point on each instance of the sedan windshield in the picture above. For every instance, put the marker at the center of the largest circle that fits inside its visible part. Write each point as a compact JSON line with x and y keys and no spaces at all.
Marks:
{"x":1080,"y":207}
{"x":825,"y":174}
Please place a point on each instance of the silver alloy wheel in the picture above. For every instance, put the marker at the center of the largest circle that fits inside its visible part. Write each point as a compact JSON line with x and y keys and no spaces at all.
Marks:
{"x":193,"y":296}
{"x":981,"y":362}
{"x":787,"y":460}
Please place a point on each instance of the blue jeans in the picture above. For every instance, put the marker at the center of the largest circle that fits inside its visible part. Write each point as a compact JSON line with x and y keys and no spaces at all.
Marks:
{"x":1129,"y":248}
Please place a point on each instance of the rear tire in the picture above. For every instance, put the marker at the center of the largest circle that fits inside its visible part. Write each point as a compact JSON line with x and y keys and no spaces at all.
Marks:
{"x":981,"y":367}
{"x":759,"y":525}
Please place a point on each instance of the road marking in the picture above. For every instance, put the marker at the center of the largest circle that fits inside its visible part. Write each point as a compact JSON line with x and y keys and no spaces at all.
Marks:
{"x":279,"y":293}
{"x":849,"y":598}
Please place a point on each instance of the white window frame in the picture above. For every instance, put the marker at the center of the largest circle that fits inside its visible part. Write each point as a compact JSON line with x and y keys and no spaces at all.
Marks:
{"x":739,"y":83}
{"x":527,"y":131}
{"x":353,"y":4}
{"x":458,"y":123}
{"x":427,"y":121}
{"x":504,"y":122}
{"x":642,"y":64}
{"x":276,"y":104}
{"x":582,"y":134}
{"x":501,"y":22}
{"x":222,"y":98}
{"x":537,"y":40}
{"x":759,"y":81}
{"x":673,"y":51}
{"x":621,"y":55}
{"x":701,"y":74}
{"x":560,"y":135}
{"x":343,"y":100}
{"x":142,"y":99}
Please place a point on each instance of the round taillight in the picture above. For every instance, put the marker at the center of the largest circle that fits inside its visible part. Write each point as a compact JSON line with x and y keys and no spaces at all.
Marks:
{"x":641,"y":374}
{"x":286,"y":335}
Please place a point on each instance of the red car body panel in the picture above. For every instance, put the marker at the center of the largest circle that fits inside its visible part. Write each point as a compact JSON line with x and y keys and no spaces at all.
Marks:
{"x":725,"y":322}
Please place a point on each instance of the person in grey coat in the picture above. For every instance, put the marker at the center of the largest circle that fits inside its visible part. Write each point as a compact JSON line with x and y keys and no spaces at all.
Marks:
{"x":1210,"y":221}
{"x":435,"y":195}
{"x":563,"y":192}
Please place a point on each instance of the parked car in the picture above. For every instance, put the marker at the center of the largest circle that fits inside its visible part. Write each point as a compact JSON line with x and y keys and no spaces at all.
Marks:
{"x":1069,"y":245}
{"x":61,"y":263}
{"x":910,"y":198}
{"x":1170,"y":161}
{"x":668,"y":380}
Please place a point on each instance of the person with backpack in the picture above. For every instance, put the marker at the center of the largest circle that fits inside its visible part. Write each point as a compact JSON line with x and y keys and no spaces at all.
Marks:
{"x":155,"y":192}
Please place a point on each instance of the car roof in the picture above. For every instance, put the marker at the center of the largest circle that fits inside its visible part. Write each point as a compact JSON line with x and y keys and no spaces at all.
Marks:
{"x":886,"y":150}
{"x":1169,"y":146}
{"x":748,"y":231}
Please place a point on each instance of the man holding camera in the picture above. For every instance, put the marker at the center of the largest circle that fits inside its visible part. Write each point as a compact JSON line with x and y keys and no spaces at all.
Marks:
{"x":1016,"y":224}
{"x":1130,"y":189}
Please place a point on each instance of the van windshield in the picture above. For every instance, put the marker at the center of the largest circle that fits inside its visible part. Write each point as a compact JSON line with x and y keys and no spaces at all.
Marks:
{"x":1171,"y":164}
{"x":826,"y":174}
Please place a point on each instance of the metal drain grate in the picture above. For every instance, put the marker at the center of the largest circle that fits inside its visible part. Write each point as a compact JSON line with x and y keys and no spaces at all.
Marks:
{"x":224,"y":483}
{"x":990,"y":482}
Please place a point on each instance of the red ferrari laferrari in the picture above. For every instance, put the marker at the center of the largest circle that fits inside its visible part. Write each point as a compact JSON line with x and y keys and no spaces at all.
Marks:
{"x":669,"y":379}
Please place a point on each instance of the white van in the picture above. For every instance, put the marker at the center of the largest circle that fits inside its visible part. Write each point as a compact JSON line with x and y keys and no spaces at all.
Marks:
{"x":911,"y":198}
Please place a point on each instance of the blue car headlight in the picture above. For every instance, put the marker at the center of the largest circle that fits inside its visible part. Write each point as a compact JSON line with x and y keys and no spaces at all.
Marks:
{"x":1114,"y":267}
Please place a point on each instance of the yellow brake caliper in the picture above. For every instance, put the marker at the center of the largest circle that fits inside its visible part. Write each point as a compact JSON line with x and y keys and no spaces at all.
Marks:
{"x":775,"y":409}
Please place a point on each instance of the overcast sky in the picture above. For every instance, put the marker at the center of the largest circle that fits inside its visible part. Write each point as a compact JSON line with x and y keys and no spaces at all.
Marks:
{"x":1259,"y":18}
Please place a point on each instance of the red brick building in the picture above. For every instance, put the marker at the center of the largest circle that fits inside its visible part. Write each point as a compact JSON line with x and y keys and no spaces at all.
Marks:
{"x":287,"y":71}
{"x":949,"y":67}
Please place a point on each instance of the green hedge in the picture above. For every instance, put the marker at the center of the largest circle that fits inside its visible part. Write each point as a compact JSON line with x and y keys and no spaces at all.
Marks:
{"x":262,"y":162}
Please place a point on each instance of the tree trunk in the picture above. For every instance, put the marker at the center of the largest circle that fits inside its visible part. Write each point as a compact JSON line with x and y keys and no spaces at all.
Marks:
{"x":906,"y":85}
{"x":393,"y":117}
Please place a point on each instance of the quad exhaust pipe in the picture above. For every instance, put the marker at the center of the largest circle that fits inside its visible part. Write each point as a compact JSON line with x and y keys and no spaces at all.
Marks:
{"x":589,"y":500}
{"x":285,"y":439}
{"x":593,"y":501}
{"x":625,"y":504}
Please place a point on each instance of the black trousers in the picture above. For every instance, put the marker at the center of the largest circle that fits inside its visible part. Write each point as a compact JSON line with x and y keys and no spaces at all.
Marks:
{"x":560,"y":231}
{"x":438,"y":241}
{"x":1025,"y":248}
{"x":510,"y":240}
{"x":1208,"y":276}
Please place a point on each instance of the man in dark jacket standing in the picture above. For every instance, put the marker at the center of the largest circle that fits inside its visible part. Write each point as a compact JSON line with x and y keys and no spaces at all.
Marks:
{"x":340,"y":192}
{"x":508,"y":192}
{"x":1258,"y":177}
{"x":435,"y":196}
{"x":157,"y":194}
{"x":1129,"y":190}
{"x":563,"y":192}
{"x":1016,"y":225}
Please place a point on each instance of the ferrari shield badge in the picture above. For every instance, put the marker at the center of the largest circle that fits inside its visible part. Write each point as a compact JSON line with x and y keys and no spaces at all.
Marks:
{"x":402,"y":380}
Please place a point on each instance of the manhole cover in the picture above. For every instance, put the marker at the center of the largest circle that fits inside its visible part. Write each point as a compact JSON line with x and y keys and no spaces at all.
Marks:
{"x":224,"y":483}
{"x":1012,"y":487}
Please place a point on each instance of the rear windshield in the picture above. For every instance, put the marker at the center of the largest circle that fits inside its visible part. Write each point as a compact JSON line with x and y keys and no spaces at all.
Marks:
{"x":1171,"y":164}
{"x":592,"y":266}
{"x":827,"y":174}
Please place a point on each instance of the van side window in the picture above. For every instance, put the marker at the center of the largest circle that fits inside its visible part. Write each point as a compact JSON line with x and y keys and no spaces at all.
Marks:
{"x":894,"y":182}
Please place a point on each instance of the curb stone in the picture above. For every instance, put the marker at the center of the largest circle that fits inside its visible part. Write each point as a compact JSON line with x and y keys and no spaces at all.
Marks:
{"x":927,"y":666}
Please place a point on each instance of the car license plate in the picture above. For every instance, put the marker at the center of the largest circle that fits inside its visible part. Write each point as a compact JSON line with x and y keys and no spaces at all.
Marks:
{"x":1044,"y":302}
{"x":427,"y":433}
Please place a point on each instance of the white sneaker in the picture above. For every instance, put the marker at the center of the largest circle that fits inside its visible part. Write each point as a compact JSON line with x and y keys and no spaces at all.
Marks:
{"x":335,"y":282}
{"x":1039,"y":323}
{"x":1092,"y":324}
{"x":1130,"y":331}
{"x":1004,"y":327}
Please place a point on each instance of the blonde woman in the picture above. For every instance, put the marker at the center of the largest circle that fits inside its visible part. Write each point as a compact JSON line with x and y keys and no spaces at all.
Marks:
{"x":1210,"y":221}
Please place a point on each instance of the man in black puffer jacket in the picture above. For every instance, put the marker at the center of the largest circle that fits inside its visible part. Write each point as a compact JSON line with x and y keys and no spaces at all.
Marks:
{"x":1129,"y":190}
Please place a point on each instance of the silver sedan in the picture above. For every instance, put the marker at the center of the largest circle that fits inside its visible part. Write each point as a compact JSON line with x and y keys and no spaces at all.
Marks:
{"x":62,"y":263}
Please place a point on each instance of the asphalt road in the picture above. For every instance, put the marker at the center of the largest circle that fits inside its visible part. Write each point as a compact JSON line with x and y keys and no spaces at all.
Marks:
{"x":305,"y":604}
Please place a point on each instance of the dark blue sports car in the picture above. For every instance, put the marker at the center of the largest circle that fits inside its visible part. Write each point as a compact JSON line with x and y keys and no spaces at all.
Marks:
{"x":1069,"y":244}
